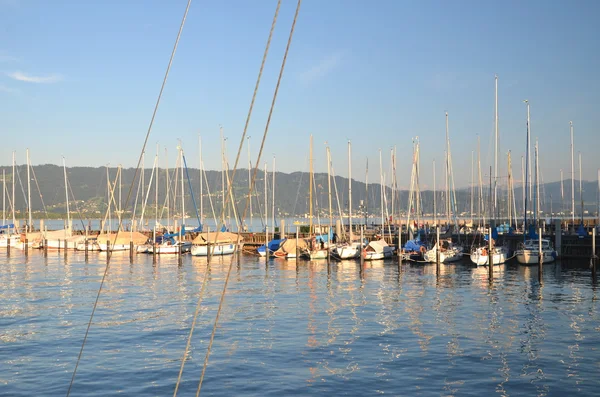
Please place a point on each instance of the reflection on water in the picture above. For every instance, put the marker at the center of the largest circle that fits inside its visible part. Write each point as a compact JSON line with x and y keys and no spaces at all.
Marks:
{"x":296,"y":327}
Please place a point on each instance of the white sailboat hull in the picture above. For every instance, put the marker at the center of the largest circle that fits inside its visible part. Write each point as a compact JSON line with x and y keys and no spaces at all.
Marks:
{"x":531,"y":257}
{"x":215,"y":249}
{"x":14,"y":240}
{"x":348,"y":251}
{"x":482,"y":258}
{"x":448,"y":256}
{"x":171,"y":248}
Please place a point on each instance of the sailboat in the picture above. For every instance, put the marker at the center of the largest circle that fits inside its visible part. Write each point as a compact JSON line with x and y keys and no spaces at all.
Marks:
{"x":529,"y":251}
{"x":174,"y":243}
{"x":481,"y":255}
{"x":350,"y":249}
{"x":9,"y":235}
{"x":318,"y":246}
{"x":448,"y":251}
{"x":62,"y":239}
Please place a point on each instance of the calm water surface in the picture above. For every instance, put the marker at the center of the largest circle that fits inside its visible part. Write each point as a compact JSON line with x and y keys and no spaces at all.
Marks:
{"x":296,"y":328}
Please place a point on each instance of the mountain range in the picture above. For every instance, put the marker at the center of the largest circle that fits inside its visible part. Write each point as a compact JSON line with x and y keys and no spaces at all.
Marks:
{"x":88,"y":191}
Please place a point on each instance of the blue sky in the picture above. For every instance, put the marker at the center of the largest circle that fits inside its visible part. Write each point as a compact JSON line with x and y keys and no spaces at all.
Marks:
{"x":80,"y":78}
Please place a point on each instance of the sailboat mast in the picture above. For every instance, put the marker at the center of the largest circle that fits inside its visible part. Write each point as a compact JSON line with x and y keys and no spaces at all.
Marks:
{"x":496,"y":147}
{"x":329,"y":189}
{"x":156,"y":189}
{"x":480,"y":201}
{"x":3,"y":198}
{"x":447,"y":184}
{"x":350,"y":189}
{"x":509,"y":191}
{"x":572,"y":178}
{"x":250,"y":180}
{"x":367,"y":192}
{"x":67,"y":195}
{"x":168,"y":190}
{"x":580,"y":188}
{"x":537,"y":185}
{"x":434,"y":199}
{"x":381,"y":193}
{"x":472,"y":186}
{"x":310,"y":182}
{"x":266,"y":210}
{"x":528,"y":161}
{"x":201,"y":182}
{"x":523,"y":183}
{"x":182,"y":190}
{"x":29,"y":228}
{"x":222,"y":169}
{"x":273,"y":198}
{"x":14,"y":218}
{"x":527,"y":171}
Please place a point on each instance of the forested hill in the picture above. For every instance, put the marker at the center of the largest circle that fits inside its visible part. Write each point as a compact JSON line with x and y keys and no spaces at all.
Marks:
{"x":89,"y":188}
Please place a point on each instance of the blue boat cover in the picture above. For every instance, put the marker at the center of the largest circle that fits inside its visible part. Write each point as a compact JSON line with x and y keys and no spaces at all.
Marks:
{"x":581,"y":231}
{"x":9,"y":226}
{"x":413,"y":245}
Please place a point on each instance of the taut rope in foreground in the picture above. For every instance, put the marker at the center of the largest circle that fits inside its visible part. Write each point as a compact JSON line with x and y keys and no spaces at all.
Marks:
{"x":204,"y":281}
{"x":109,"y":252}
{"x":214,"y":330}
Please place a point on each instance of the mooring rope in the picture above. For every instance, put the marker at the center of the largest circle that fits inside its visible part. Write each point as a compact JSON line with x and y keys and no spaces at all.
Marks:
{"x":108,"y":252}
{"x":210,"y":251}
{"x":214,"y":330}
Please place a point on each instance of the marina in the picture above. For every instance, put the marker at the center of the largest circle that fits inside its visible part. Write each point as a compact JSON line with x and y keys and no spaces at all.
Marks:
{"x":163,"y":256}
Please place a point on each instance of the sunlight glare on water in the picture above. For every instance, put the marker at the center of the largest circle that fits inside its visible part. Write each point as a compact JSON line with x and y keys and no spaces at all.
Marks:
{"x":296,"y":328}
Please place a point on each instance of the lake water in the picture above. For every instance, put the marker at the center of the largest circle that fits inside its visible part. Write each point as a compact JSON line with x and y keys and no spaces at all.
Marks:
{"x":296,"y":328}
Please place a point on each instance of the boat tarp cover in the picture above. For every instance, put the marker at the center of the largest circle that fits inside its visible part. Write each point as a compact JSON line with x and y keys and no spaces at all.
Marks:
{"x":378,"y":245}
{"x":49,"y":235}
{"x":213,"y":238}
{"x":9,"y":226}
{"x":289,"y":245}
{"x":122,"y":238}
{"x":413,"y":245}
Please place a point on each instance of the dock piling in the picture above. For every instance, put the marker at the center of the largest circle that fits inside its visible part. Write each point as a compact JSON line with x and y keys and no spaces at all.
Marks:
{"x":131,"y":252}
{"x":540,"y":256}
{"x":26,"y":247}
{"x":490,"y":257}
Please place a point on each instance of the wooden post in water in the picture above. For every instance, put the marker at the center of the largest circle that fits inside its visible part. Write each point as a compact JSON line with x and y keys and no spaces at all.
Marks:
{"x":66,"y":247}
{"x":26,"y":247}
{"x":437,"y":251}
{"x":8,"y":247}
{"x":490,"y":256}
{"x":540,"y":255}
{"x":179,"y":248}
{"x":46,"y":247}
{"x":594,"y":257}
{"x":362,"y":259}
{"x":86,"y":248}
{"x":131,"y":252}
{"x":59,"y":246}
{"x":297,"y":239}
{"x":154,"y":244}
{"x":107,"y":251}
{"x":399,"y":249}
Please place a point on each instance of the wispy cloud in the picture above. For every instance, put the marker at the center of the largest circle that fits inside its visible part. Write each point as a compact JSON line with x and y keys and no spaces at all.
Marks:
{"x":20,"y":76}
{"x":324,"y":67}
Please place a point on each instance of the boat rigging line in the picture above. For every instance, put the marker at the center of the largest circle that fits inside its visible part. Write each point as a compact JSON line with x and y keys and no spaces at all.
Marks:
{"x":109,"y":252}
{"x":214,"y":330}
{"x":210,"y":252}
